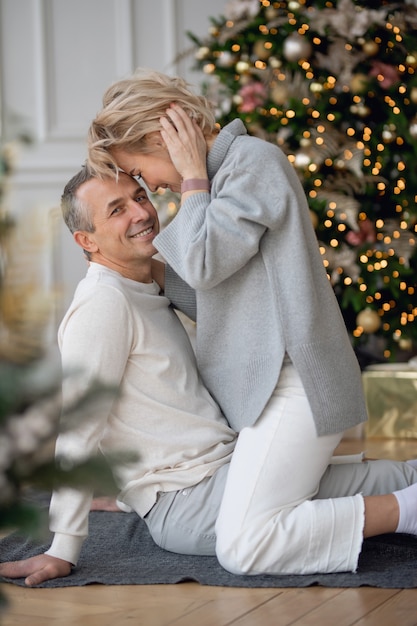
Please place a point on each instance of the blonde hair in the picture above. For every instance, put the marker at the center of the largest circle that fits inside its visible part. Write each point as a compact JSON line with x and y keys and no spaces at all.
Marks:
{"x":132,"y":108}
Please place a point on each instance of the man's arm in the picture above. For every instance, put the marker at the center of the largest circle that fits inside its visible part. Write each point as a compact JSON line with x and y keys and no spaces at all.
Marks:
{"x":81,"y":343}
{"x":95,"y":338}
{"x":37,"y":569}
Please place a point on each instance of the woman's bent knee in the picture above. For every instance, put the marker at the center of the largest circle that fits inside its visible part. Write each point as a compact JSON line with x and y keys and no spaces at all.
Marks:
{"x":232,"y":560}
{"x":247,"y":552}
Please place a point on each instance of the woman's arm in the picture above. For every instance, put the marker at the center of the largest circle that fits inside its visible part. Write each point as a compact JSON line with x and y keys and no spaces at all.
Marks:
{"x":180,"y":294}
{"x":215,"y":234}
{"x":158,"y":273}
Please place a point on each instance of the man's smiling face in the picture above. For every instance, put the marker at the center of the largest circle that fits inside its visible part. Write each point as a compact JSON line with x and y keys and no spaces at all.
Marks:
{"x":125,"y":223}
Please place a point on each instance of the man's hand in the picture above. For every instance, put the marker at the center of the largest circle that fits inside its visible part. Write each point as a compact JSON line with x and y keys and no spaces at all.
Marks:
{"x":37,"y":569}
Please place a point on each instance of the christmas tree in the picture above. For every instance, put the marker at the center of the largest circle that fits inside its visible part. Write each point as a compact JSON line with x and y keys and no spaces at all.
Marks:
{"x":334,"y":84}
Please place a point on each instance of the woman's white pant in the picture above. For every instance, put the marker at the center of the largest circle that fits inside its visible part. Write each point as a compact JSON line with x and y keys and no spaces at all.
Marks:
{"x":267,"y":521}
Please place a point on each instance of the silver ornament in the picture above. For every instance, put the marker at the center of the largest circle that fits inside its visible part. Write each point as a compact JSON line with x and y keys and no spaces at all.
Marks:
{"x":296,"y":47}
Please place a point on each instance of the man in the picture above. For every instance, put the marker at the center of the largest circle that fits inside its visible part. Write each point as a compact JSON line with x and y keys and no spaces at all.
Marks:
{"x":120,"y":330}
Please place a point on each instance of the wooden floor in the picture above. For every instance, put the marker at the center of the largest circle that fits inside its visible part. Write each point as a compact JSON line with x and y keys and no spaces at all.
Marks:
{"x":189,"y":604}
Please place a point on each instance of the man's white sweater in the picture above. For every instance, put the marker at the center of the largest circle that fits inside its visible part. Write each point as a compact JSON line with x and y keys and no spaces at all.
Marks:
{"x":121,"y":332}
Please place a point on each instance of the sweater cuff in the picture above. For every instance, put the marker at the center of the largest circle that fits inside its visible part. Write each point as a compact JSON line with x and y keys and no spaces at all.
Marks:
{"x":66,"y":547}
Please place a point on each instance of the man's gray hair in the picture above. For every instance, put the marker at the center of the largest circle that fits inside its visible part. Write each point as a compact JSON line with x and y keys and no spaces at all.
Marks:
{"x":75,"y":213}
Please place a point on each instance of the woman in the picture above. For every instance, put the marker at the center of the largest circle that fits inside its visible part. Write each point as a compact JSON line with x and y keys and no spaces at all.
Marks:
{"x":271,"y":343}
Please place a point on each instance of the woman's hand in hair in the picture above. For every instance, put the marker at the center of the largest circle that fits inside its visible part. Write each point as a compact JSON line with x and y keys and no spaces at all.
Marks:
{"x":185,"y":142}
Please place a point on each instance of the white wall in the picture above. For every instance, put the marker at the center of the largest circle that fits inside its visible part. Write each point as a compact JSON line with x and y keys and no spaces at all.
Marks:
{"x":56,"y":59}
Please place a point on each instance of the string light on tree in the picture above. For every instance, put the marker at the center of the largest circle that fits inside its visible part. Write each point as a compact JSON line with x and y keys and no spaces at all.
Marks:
{"x":334,"y":84}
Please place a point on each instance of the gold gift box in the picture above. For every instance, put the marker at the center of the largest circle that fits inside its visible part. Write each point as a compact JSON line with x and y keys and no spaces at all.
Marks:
{"x":391,"y":398}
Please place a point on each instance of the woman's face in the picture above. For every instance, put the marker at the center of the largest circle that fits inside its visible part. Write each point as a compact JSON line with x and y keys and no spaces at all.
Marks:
{"x":155,"y":169}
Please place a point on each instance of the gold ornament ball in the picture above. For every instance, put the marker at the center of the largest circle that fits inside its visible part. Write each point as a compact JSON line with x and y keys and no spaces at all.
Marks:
{"x":368,"y":320}
{"x":413,"y":95}
{"x":364,"y":111}
{"x":279,"y":94}
{"x":413,"y":128}
{"x":370,"y":48}
{"x":316,"y":87}
{"x":242,"y":67}
{"x":358,"y":83}
{"x":202,"y":53}
{"x":209,"y":68}
{"x":260,"y":51}
{"x":245,"y":79}
{"x":271,"y":13}
{"x":360,"y":109}
{"x":388,"y":136}
{"x":275,"y":63}
{"x":389,"y":133}
{"x":411,"y":59}
{"x":405,"y":343}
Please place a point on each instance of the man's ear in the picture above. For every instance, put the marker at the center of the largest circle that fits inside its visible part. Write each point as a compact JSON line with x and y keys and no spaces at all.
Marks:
{"x":85,"y":241}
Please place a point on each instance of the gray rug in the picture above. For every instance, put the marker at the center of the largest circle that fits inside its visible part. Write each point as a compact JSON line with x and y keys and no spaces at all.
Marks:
{"x":120,"y":551}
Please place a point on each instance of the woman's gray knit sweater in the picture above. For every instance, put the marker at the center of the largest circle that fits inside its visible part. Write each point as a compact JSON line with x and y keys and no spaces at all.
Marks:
{"x":250,"y":252}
